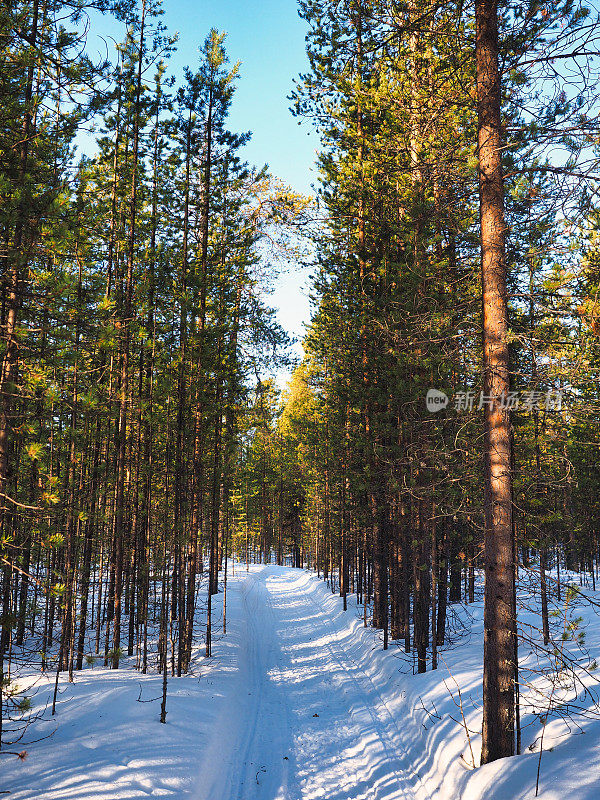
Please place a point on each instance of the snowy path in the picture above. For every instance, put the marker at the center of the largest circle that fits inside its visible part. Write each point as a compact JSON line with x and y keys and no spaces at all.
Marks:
{"x":293,"y":706}
{"x":299,"y":702}
{"x":305,"y":721}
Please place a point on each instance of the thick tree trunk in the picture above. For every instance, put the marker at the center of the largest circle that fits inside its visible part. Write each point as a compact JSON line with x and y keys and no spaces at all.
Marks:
{"x":442,"y":587}
{"x":398,"y":610}
{"x":544,"y":593}
{"x":380,"y":564}
{"x":434,"y":581}
{"x":421,"y":584}
{"x":87,"y":547}
{"x":455,"y":593}
{"x":499,"y":621}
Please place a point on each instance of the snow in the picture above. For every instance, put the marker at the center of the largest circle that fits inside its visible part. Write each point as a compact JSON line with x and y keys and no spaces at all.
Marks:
{"x":298,"y":702}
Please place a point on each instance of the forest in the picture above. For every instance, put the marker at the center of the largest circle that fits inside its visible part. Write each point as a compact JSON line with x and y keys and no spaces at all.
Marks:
{"x":434,"y":452}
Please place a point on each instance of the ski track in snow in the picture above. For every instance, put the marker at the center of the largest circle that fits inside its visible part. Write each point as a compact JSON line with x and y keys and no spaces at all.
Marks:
{"x":309,"y":725}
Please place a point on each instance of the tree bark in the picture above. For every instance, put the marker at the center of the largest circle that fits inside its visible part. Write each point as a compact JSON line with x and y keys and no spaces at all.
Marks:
{"x":499,"y":620}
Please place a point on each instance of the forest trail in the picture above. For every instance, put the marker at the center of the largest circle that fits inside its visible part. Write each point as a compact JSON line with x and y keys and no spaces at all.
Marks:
{"x":298,"y":702}
{"x":301,"y":719}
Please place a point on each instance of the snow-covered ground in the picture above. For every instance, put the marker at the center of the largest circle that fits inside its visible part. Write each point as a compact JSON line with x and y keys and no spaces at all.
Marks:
{"x":298,"y":702}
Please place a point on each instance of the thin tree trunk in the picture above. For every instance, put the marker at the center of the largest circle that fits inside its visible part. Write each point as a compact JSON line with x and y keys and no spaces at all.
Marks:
{"x":125,"y":347}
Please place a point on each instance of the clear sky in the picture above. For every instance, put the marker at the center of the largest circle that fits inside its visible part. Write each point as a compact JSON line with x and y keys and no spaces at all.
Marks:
{"x":267,"y":37}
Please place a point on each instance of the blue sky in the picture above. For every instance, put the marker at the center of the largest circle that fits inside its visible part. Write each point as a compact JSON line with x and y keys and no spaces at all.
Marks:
{"x":267,"y":37}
